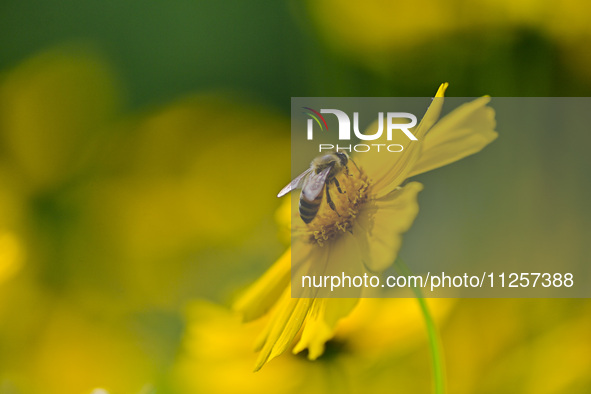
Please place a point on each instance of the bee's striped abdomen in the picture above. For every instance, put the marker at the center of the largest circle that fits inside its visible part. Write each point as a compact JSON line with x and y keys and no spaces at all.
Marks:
{"x":309,"y":209}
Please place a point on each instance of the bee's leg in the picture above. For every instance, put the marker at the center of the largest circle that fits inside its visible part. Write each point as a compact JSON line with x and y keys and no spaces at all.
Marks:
{"x":336,"y":183}
{"x":330,"y":202}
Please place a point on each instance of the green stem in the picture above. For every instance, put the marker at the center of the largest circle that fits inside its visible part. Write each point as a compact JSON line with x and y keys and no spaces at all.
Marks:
{"x":435,"y":347}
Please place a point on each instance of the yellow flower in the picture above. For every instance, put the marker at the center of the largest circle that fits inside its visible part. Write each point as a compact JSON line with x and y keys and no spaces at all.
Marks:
{"x":215,"y":346}
{"x":379,"y":210}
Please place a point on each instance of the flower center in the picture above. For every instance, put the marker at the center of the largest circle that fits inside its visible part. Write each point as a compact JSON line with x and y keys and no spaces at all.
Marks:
{"x":348,"y":194}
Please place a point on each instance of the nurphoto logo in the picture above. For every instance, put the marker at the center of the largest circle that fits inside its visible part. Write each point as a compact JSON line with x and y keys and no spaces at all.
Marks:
{"x":393,"y":124}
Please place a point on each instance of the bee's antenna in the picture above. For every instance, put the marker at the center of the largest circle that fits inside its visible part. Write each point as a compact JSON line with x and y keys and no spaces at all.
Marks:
{"x":355,"y":164}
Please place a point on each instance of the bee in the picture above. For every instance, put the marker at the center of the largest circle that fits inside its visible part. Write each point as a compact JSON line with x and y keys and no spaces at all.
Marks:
{"x":316,"y":180}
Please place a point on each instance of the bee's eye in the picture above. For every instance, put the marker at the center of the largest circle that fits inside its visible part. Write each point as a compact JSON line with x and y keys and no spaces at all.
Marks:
{"x":343,"y":157}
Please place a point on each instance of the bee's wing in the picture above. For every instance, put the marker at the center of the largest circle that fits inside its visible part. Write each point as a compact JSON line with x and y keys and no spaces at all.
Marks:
{"x":315,"y":184}
{"x":295,"y":184}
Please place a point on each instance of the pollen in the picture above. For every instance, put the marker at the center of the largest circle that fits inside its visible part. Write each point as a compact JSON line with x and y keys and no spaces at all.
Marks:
{"x":349,"y":193}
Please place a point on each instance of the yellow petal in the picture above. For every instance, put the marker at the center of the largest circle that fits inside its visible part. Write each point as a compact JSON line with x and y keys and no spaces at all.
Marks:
{"x":287,"y":319}
{"x":265,"y":292}
{"x":382,"y":224}
{"x":388,"y":171}
{"x":284,"y":326}
{"x":306,"y":264}
{"x":262,"y":294}
{"x":463,"y":132}
{"x":321,"y":322}
{"x":433,"y":112}
{"x":342,"y":256}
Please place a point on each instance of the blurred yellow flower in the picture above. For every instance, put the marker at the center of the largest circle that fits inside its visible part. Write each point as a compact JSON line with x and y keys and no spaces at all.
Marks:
{"x":165,"y":197}
{"x":372,"y":33}
{"x":368,"y":237}
{"x":11,"y":255}
{"x":52,"y":110}
{"x":108,"y":220}
{"x":386,"y":36}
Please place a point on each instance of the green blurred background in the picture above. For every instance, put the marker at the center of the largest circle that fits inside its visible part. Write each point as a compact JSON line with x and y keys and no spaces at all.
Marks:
{"x":141,"y":148}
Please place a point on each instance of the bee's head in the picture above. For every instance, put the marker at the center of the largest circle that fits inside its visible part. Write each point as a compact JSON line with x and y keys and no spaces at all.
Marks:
{"x":343,"y":157}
